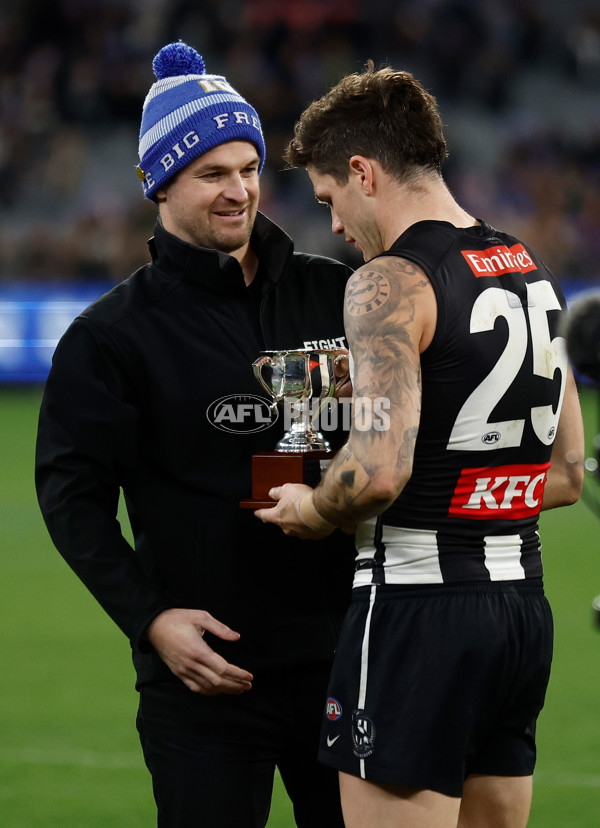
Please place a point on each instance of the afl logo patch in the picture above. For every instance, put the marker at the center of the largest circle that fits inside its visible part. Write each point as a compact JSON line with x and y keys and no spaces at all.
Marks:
{"x":363,"y":734}
{"x":241,"y":414}
{"x":333,"y":709}
{"x":490,"y":438}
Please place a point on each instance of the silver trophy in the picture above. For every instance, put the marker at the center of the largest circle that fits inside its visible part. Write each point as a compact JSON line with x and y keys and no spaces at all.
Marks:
{"x":305,"y":381}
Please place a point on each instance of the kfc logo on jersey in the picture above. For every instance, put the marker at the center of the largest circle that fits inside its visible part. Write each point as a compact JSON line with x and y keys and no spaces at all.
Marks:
{"x":507,"y":492}
{"x":496,"y":261}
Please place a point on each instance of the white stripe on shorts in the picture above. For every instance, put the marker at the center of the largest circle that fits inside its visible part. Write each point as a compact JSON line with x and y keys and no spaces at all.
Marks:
{"x":364,"y":664}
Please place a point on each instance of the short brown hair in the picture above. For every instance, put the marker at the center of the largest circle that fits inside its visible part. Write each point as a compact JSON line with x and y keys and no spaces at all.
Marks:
{"x":382,"y":114}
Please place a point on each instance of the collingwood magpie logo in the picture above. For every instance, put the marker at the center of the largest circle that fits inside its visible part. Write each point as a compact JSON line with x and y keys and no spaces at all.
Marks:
{"x":363,"y":734}
{"x":241,"y":414}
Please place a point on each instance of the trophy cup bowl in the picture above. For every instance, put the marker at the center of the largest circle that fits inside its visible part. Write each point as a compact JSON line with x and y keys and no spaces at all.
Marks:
{"x":303,"y":381}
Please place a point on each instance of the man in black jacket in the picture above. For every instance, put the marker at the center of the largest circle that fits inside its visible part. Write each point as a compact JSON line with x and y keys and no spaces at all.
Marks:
{"x":232,"y":626}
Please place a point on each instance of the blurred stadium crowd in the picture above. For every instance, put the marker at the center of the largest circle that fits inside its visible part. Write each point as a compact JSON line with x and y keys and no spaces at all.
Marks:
{"x":518,"y":82}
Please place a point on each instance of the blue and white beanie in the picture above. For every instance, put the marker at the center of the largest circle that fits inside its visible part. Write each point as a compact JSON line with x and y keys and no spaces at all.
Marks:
{"x":186,"y":113}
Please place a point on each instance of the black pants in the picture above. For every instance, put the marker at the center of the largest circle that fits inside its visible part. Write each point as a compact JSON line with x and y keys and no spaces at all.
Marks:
{"x":213,"y":758}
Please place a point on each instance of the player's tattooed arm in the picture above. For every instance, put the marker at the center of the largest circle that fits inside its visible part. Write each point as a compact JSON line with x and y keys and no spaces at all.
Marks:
{"x":388,"y":308}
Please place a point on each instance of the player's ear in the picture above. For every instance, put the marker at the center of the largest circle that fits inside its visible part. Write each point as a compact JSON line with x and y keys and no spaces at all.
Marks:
{"x":362,"y":169}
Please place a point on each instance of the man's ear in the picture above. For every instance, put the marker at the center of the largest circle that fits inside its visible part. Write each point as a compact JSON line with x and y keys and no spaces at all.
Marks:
{"x":362,"y":168}
{"x":161,"y":195}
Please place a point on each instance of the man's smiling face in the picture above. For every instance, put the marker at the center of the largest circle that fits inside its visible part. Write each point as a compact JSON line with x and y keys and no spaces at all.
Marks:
{"x":213,"y":201}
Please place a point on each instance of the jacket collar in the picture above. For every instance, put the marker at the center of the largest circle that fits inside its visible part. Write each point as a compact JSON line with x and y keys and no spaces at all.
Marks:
{"x":216,"y":271}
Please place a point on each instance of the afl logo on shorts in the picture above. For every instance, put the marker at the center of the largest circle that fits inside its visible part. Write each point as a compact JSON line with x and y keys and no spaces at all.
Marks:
{"x":333,"y":709}
{"x":363,"y":734}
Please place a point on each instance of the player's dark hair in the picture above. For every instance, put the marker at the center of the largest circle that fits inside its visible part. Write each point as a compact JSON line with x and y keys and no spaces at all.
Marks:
{"x":385,"y":114}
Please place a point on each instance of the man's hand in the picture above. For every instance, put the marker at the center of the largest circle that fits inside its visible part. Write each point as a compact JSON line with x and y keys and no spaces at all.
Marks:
{"x":289,"y":515}
{"x":177,"y":636}
{"x":341,"y":373}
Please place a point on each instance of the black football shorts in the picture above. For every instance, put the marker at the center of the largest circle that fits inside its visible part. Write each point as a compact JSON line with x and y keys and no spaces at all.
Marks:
{"x":433,"y":683}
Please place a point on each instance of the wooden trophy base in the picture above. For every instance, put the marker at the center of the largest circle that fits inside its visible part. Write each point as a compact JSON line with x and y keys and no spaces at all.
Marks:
{"x":274,"y":468}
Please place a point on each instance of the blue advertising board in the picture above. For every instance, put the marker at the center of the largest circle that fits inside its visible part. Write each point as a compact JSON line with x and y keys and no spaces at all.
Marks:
{"x":32,"y":319}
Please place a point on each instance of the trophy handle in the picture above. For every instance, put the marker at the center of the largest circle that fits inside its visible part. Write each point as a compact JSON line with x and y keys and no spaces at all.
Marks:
{"x":257,"y":366}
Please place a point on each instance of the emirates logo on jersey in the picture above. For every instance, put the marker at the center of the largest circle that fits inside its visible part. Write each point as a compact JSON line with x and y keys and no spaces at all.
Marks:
{"x":498,"y":260}
{"x":505,"y":492}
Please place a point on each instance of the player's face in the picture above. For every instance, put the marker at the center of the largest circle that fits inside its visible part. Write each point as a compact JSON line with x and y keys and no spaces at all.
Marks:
{"x":212,"y":202}
{"x":349,"y":214}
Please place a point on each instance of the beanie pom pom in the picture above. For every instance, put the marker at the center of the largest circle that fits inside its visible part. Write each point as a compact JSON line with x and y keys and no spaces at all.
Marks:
{"x":177,"y":59}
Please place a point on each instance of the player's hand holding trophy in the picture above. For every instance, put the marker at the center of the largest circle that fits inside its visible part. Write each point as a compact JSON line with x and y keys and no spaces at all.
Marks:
{"x":303,"y":382}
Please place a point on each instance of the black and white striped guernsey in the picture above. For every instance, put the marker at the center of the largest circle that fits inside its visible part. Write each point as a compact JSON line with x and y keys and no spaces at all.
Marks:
{"x":493,"y":381}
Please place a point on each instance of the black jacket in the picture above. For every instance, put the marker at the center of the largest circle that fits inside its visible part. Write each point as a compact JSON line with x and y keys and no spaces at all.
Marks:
{"x":125,"y":406}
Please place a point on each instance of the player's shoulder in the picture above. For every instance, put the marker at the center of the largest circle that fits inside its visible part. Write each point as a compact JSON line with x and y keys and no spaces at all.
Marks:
{"x":392,"y":269}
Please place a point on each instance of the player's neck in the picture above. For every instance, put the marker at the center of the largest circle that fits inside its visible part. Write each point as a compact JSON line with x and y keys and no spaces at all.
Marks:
{"x":429,"y":201}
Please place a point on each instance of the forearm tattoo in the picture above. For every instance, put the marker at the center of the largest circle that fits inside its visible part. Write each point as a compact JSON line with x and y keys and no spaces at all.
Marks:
{"x":381,"y":307}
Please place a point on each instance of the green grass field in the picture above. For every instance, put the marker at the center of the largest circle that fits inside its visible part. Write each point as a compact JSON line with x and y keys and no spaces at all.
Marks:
{"x":69,"y":756}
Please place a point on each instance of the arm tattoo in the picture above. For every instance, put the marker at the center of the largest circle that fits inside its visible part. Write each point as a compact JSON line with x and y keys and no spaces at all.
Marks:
{"x":379,"y":329}
{"x":381,"y":305}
